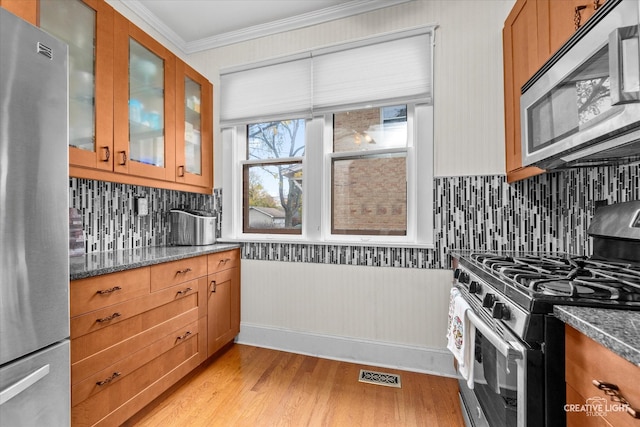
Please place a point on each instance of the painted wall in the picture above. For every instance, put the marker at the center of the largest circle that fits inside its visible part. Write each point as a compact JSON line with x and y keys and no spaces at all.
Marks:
{"x":468,"y":84}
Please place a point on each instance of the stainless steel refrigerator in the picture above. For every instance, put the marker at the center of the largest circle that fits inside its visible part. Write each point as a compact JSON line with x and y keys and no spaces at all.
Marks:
{"x":34,"y":223}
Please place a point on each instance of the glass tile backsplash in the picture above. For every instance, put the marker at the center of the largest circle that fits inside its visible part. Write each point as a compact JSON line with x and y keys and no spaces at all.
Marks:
{"x":549,"y":212}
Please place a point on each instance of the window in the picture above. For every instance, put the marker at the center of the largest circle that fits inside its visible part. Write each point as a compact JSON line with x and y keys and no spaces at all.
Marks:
{"x":328,"y":154}
{"x":369,"y":172}
{"x":272,"y":177}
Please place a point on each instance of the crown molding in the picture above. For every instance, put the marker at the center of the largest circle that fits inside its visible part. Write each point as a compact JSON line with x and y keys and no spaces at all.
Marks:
{"x":351,"y":8}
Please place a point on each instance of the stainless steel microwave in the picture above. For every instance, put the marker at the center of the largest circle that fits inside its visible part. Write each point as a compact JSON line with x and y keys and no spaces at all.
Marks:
{"x":583,"y":106}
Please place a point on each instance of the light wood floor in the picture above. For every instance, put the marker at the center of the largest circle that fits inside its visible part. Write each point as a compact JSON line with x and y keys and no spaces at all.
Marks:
{"x":251,"y":386}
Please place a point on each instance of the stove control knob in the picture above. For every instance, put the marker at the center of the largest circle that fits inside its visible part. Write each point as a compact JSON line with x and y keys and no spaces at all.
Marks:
{"x":456,"y":273}
{"x":474,"y":287}
{"x":500,"y":311}
{"x":463,"y":277}
{"x":489,"y":300}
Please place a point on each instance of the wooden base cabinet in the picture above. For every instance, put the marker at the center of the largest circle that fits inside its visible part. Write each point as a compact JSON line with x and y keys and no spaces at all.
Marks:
{"x":133,"y":335}
{"x":223,"y":300}
{"x":588,"y":405}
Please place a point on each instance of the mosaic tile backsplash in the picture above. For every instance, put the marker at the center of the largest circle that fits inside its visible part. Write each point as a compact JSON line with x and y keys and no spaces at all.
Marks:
{"x":550,"y":212}
{"x":109,"y":217}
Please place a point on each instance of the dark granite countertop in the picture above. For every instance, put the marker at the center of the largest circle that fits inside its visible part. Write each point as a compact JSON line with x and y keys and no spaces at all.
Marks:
{"x":617,"y":330}
{"x":96,"y":264}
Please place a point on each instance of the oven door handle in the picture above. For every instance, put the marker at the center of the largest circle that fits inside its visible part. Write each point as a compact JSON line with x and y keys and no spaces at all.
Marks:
{"x":500,"y":344}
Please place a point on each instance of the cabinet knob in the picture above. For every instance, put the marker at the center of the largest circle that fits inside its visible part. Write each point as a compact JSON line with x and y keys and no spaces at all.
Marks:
{"x":123,"y":158}
{"x":181,"y":171}
{"x":213,"y":286}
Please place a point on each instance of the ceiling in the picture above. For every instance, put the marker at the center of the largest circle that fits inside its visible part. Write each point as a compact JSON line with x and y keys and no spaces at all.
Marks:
{"x":196,"y":25}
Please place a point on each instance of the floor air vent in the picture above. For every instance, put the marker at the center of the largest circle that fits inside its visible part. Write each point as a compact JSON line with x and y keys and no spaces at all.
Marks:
{"x":379,"y":378}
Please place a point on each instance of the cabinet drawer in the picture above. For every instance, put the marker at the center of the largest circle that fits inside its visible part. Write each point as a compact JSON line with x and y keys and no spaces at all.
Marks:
{"x":91,"y":343}
{"x":223,"y":260}
{"x":118,"y":392}
{"x":171,"y":273}
{"x":586,"y":360}
{"x":88,"y":366}
{"x":119,"y":370}
{"x":108,"y":316}
{"x":94,"y":293}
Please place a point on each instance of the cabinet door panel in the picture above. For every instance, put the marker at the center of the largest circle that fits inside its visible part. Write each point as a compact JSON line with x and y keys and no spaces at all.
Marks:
{"x":87,"y":27}
{"x":521,"y":60}
{"x":25,"y":9}
{"x":194,"y":141}
{"x":144,"y":109}
{"x":223,"y":308}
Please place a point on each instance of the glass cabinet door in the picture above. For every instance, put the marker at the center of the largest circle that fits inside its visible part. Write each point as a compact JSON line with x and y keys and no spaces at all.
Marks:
{"x":144,"y":106}
{"x":193,"y":127}
{"x":87,"y":27}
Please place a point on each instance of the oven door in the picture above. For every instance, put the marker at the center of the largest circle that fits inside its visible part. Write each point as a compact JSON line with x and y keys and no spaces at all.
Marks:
{"x":499,"y":396}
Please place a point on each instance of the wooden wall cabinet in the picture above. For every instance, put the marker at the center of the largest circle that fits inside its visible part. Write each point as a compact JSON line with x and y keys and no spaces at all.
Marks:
{"x":532,"y":33}
{"x":25,"y":9}
{"x":138,"y":114}
{"x":587,"y":360}
{"x":223,"y":299}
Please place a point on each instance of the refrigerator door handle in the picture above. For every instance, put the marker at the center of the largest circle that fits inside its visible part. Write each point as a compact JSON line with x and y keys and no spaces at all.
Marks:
{"x":15,"y":389}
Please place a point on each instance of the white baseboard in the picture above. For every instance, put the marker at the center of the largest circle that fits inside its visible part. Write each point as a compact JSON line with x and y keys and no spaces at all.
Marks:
{"x":388,"y":355}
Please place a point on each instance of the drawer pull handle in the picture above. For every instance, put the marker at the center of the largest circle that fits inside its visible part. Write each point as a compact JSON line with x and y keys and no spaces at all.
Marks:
{"x":107,"y":153}
{"x":108,"y":380}
{"x":123,"y":158}
{"x":108,"y":291}
{"x":185,"y":271}
{"x":613,"y":392}
{"x":185,"y":291}
{"x":213,"y":286}
{"x":180,"y":171}
{"x":108,"y":318}
{"x":224,"y":261}
{"x":184,"y":337}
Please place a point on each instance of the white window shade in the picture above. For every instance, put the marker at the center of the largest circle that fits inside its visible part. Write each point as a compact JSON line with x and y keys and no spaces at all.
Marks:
{"x":397,"y":69}
{"x":282,"y":89}
{"x":377,"y":71}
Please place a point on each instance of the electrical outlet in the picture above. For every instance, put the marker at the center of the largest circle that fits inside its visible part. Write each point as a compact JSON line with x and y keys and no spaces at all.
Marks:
{"x":142,"y":206}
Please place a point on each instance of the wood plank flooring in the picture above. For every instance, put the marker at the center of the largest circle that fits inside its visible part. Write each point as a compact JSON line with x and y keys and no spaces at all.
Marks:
{"x":252,"y":386}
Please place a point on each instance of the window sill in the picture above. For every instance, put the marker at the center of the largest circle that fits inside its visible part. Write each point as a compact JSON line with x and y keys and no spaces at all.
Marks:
{"x":302,"y":241}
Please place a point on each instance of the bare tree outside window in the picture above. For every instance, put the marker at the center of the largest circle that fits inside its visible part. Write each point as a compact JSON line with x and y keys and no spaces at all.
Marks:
{"x":273,"y":177}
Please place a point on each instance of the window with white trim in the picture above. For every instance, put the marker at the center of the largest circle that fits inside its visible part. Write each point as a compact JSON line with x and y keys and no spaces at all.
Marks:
{"x":329,"y":150}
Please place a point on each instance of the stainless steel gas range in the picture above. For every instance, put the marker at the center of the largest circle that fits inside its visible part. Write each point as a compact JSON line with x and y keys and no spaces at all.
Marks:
{"x":519,"y":344}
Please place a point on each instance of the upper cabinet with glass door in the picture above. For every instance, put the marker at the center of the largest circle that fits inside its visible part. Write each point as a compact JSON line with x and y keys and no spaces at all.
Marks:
{"x":144,"y":106}
{"x":194,"y":143}
{"x":87,"y":27}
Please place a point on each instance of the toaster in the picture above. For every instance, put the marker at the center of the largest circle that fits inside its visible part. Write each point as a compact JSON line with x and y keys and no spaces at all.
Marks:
{"x":192,"y":227}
